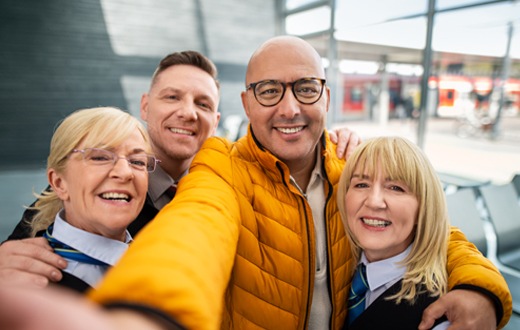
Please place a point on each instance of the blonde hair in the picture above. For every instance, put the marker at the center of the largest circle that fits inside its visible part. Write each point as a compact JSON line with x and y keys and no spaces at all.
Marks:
{"x":401,"y":160}
{"x":103,"y":127}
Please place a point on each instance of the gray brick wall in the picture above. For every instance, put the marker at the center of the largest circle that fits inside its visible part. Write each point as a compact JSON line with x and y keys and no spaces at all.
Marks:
{"x":57,"y":56}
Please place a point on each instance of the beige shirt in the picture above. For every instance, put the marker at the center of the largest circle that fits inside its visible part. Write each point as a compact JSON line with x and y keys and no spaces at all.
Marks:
{"x":321,"y":307}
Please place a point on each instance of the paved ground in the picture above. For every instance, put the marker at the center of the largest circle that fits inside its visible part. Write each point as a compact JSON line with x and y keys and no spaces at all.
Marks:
{"x":476,"y":157}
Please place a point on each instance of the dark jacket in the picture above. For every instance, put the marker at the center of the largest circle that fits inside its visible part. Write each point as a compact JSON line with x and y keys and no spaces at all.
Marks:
{"x":386,"y":314}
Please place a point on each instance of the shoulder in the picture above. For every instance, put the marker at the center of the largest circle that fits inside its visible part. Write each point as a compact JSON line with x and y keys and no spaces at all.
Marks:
{"x":216,"y":143}
{"x":214,"y":151}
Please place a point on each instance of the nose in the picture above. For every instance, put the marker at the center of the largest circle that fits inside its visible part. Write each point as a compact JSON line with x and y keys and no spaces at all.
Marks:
{"x":122,"y":169}
{"x":188,"y":110}
{"x":375,"y":198}
{"x":289,"y":106}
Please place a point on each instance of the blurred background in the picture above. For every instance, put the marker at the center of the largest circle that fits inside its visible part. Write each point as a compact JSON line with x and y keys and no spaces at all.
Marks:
{"x":444,"y":73}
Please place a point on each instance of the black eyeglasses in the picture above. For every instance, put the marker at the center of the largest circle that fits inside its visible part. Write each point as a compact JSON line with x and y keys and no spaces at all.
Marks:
{"x":270,"y":92}
{"x":139,"y":161}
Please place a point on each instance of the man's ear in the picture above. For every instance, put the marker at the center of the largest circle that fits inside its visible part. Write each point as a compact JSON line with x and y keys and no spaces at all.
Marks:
{"x":144,"y":107}
{"x":216,"y":123}
{"x":58,"y":184}
{"x":327,"y":92}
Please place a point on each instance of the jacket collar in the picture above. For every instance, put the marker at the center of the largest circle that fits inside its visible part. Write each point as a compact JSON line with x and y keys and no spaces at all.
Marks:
{"x":271,"y":163}
{"x":264,"y":157}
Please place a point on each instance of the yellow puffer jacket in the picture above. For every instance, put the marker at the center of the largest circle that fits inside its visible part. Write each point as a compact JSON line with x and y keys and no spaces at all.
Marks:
{"x":235,"y":248}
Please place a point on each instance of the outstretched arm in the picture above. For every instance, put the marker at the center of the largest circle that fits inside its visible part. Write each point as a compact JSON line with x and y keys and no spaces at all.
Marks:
{"x":26,"y":309}
{"x":59,"y":309}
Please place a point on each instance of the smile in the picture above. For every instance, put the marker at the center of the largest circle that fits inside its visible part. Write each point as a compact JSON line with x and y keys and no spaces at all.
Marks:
{"x":116,"y":196}
{"x":376,"y":223}
{"x":181,"y":131}
{"x":290,"y":130}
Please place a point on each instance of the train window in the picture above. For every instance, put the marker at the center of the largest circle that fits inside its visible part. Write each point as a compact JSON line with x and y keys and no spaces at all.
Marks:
{"x":447,"y":97}
{"x":356,"y":95}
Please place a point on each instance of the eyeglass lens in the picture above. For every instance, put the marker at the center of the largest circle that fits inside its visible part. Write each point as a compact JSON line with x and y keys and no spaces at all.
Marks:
{"x":104,"y":157}
{"x":306,"y":91}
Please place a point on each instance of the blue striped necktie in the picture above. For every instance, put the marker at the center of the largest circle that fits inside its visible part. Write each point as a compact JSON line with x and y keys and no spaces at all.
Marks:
{"x":69,"y":252}
{"x":356,"y":297}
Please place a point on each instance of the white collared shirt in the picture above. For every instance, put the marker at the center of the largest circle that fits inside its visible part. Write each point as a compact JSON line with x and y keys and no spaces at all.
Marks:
{"x":381,"y":275}
{"x":98,"y":247}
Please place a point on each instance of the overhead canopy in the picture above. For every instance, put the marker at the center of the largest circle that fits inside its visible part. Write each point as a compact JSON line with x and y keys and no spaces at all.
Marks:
{"x":348,"y":50}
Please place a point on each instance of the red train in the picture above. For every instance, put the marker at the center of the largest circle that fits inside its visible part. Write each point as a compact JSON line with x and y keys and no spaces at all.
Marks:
{"x":449,"y":95}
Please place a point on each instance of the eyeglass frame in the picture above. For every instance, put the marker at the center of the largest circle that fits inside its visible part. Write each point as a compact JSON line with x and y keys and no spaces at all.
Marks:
{"x":116,"y":157}
{"x":284,"y":86}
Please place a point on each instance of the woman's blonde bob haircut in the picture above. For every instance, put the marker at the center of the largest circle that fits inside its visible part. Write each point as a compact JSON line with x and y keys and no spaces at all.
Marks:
{"x":401,"y":160}
{"x":103,"y":127}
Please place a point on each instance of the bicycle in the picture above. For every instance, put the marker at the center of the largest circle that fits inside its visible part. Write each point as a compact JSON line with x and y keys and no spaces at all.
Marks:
{"x":474,"y":124}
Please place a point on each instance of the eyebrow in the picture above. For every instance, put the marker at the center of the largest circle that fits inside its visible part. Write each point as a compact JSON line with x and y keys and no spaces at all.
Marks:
{"x":365,"y":176}
{"x":360,"y":176}
{"x":132,"y":151}
{"x":169,"y":89}
{"x":137,"y":151}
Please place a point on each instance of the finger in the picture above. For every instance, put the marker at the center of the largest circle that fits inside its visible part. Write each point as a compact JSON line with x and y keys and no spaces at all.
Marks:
{"x":354,"y":141}
{"x":13,"y":277}
{"x":430,"y":314}
{"x":30,"y":256}
{"x":38,"y":241}
{"x":333,"y":137}
{"x":33,"y":248}
{"x":24,"y":246}
{"x":18,"y":264}
{"x":343,"y":142}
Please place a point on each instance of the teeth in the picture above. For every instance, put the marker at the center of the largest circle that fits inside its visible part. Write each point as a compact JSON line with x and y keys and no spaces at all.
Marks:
{"x":181,"y":131}
{"x":115,"y":196}
{"x":376,"y":223}
{"x":290,"y":130}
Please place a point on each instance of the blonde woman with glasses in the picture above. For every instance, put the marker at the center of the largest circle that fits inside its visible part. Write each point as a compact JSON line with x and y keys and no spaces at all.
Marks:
{"x":98,"y":175}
